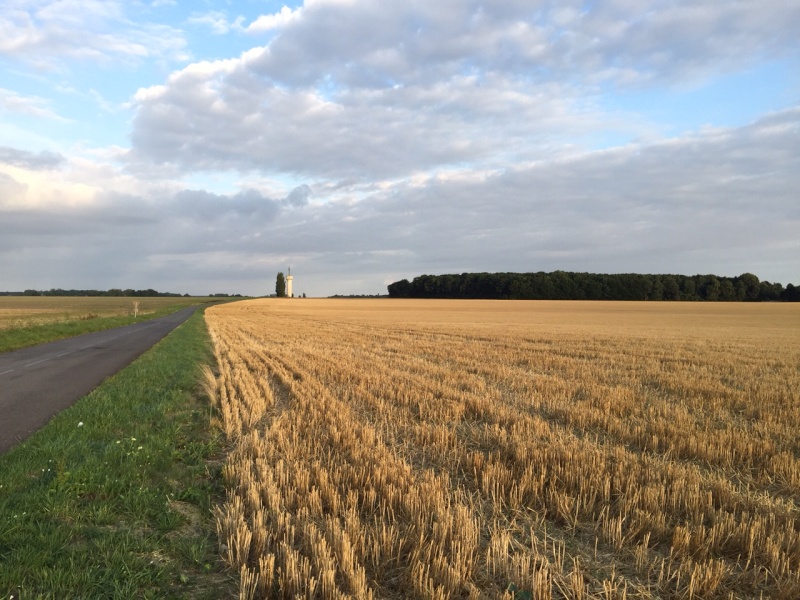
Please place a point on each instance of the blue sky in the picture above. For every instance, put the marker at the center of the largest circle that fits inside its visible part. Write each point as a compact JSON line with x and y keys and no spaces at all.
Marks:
{"x":205,"y":146}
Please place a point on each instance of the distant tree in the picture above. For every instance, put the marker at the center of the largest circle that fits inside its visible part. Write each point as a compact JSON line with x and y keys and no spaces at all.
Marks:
{"x":658,"y":290}
{"x":747,"y":287}
{"x":542,"y":286}
{"x":710,"y":288}
{"x":592,"y":286}
{"x":769,"y":292}
{"x":280,"y":286}
{"x":688,"y":289}
{"x":562,"y":285}
{"x":791,"y":293}
{"x":400,"y":289}
{"x":521,"y":288}
{"x":671,"y":288}
{"x":727,"y":291}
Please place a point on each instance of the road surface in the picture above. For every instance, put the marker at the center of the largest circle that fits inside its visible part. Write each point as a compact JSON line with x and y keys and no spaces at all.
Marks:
{"x":38,"y":382}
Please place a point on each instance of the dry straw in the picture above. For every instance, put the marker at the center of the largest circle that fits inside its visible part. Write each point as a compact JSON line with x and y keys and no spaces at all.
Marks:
{"x":457,"y":450}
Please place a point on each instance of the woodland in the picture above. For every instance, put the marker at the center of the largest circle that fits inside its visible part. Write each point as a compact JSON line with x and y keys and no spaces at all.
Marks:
{"x":564,"y":285}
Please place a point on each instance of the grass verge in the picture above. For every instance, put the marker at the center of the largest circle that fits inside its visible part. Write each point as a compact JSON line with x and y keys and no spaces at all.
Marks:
{"x":31,"y":335}
{"x":113,"y":498}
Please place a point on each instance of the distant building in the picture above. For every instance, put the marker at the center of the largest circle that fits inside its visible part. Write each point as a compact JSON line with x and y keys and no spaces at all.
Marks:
{"x":289,"y":279}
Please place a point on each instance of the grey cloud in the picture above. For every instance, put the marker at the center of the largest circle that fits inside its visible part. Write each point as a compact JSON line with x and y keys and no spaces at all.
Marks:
{"x":19,"y":226}
{"x":174,"y":242}
{"x":299,"y":196}
{"x":374,"y":43}
{"x":31,"y":160}
{"x":721,"y":201}
{"x":248,"y":204}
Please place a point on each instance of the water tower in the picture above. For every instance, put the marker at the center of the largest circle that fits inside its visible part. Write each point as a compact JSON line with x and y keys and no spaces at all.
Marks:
{"x":289,"y":279}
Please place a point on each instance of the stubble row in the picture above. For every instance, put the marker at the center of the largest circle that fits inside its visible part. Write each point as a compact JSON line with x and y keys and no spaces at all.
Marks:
{"x":388,"y":460}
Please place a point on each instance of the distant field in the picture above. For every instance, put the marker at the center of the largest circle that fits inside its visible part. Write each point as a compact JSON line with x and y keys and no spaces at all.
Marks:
{"x":25,"y":311}
{"x":30,"y":320}
{"x":482,"y":449}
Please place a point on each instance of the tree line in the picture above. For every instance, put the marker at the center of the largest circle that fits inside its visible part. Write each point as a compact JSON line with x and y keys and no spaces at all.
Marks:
{"x":564,"y":285}
{"x":149,"y":293}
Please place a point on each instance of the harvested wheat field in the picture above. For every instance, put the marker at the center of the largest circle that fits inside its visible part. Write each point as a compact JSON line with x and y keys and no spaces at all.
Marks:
{"x":28,"y":311}
{"x":468,"y":449}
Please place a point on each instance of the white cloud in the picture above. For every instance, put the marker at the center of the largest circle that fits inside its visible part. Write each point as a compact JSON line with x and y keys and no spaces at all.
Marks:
{"x":49,"y":34}
{"x":11,"y":190}
{"x":369,"y":89}
{"x":275,"y":21}
{"x":225,"y":115}
{"x":32,"y":106}
{"x":218,"y":22}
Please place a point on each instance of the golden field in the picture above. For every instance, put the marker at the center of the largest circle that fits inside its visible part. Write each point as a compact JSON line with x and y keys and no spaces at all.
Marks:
{"x":26,"y":311}
{"x":466,"y":449}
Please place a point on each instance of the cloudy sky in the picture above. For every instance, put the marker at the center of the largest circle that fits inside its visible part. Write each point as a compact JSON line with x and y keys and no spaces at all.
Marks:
{"x":204,"y":146}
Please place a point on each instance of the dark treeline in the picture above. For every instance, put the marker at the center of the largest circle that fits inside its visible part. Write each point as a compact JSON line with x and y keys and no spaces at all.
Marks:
{"x":358,"y":296}
{"x":113,"y":292}
{"x":562,"y":285}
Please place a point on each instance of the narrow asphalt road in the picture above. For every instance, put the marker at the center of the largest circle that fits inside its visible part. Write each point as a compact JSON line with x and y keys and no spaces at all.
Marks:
{"x":38,"y":382}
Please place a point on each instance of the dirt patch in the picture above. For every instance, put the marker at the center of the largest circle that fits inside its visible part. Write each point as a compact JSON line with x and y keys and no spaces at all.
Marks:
{"x":194,"y":521}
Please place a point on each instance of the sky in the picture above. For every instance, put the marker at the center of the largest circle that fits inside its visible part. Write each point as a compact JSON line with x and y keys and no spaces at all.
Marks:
{"x":203,"y":147}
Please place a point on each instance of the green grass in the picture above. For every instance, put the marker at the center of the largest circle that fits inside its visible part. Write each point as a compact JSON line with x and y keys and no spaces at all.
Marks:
{"x":113,"y":498}
{"x":77,"y":324}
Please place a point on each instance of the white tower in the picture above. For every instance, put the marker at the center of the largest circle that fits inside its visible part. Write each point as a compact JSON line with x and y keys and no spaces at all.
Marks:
{"x":289,"y":279}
